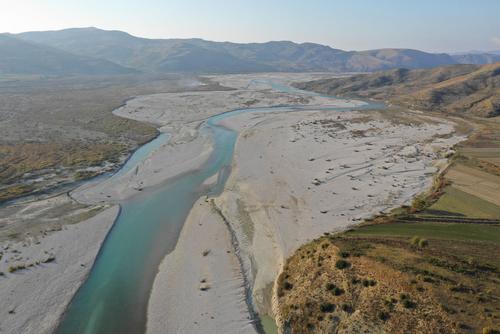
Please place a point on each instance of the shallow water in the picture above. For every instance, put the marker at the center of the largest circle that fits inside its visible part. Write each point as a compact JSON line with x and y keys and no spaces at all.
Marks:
{"x":143,"y":152}
{"x":114,"y":297}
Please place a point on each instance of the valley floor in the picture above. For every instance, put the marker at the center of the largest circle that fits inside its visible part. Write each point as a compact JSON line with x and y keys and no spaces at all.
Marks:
{"x":295,"y":176}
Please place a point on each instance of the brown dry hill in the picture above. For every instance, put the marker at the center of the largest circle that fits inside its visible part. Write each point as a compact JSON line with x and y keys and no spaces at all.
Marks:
{"x":468,"y":89}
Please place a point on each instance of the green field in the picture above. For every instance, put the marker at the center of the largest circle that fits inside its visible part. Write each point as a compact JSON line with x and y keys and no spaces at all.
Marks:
{"x":455,"y":201}
{"x":467,"y":232}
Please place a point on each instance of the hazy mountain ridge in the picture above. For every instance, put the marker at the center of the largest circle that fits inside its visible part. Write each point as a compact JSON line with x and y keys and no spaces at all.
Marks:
{"x":470,"y":89}
{"x":95,"y":51}
{"x":197,"y":55}
{"x":22,"y":57}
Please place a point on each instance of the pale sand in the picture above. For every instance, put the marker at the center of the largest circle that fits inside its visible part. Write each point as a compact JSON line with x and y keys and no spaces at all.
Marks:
{"x":266,"y":202}
{"x":161,"y":165}
{"x":34,"y":299}
{"x":178,"y":304}
{"x":293,"y":179}
{"x":180,"y":115}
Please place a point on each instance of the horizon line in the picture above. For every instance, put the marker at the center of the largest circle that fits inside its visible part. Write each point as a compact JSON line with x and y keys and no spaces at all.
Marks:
{"x":456,"y":52}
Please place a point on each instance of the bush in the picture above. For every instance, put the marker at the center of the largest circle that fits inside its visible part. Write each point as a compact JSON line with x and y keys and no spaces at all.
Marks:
{"x":415,"y":240}
{"x":382,"y":315}
{"x":408,"y":304}
{"x":347,"y":308}
{"x":334,"y":289}
{"x":342,"y":264}
{"x":403,"y":296}
{"x":327,"y":307}
{"x":344,"y":254}
{"x":489,"y":330}
{"x":423,"y":243}
{"x":287,"y":285}
{"x":369,"y":282}
{"x":355,"y":281}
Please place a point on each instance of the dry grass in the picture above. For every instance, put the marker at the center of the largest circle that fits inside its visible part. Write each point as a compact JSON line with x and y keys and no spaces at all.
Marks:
{"x":370,"y":300}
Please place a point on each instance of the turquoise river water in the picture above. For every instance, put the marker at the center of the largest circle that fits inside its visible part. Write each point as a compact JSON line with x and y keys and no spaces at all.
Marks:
{"x":114,"y":297}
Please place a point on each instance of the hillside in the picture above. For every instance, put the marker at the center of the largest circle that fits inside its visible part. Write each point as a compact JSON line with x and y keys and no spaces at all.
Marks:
{"x":27,"y":58}
{"x":477,"y":58}
{"x":196,"y":55}
{"x":470,"y":89}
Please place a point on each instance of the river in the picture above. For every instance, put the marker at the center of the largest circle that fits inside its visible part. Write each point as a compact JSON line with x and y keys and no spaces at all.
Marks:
{"x":114,"y":297}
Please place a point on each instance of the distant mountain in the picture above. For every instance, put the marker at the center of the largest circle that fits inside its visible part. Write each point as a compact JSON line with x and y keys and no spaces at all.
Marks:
{"x":477,"y":58}
{"x":196,"y":55}
{"x":21,"y":57}
{"x":470,"y":89}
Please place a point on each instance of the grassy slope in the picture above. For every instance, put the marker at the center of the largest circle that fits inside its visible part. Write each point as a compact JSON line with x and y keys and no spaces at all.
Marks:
{"x":459,"y":89}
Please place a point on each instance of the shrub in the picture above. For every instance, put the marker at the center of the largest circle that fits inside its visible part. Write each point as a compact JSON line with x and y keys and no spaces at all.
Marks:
{"x":342,"y":264}
{"x":403,"y":296}
{"x":415,"y":240}
{"x":419,"y":203}
{"x":489,"y":330}
{"x":408,"y":303}
{"x":344,"y":254}
{"x":346,"y":308}
{"x":369,"y":282}
{"x":428,"y":279}
{"x":327,"y":307}
{"x":382,"y":315}
{"x":287,"y":285}
{"x":423,"y":243}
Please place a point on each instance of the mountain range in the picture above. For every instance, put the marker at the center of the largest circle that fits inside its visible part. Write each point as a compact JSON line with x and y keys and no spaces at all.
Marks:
{"x":468,"y":89}
{"x":20,"y":57}
{"x":96,"y":51}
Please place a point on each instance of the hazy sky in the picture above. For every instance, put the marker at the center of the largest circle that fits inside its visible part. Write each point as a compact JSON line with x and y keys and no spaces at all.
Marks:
{"x":431,"y":25}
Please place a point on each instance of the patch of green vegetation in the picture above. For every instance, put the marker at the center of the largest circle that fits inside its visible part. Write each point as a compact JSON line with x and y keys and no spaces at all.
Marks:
{"x":462,"y":203}
{"x":327,"y":307}
{"x":15,"y":191}
{"x":451,"y":231}
{"x":268,"y":324}
{"x":342,"y":264}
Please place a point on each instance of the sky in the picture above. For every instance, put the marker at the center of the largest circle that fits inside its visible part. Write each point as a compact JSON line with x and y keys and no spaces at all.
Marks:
{"x":429,"y":25}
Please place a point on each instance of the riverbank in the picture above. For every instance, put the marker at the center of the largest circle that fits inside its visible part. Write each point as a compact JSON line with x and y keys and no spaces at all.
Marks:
{"x":294,"y":176}
{"x":203,"y":276}
{"x":299,"y":175}
{"x":40,"y":274}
